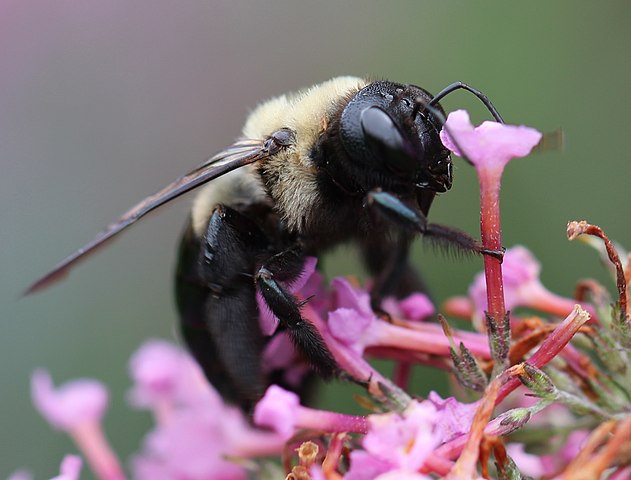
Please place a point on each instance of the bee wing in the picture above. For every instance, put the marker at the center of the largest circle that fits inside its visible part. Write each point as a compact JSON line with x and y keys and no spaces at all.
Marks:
{"x":237,"y":155}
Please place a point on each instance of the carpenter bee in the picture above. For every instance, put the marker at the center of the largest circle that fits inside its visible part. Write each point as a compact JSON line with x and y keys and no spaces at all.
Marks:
{"x":347,"y":160}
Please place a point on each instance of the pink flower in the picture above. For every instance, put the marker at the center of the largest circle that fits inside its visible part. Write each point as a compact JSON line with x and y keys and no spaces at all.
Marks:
{"x":281,"y":411}
{"x":348,"y":296}
{"x":351,"y":321}
{"x":366,"y":466}
{"x":527,"y":463}
{"x":71,"y":405}
{"x":415,"y":307}
{"x":21,"y":475}
{"x":77,"y":408}
{"x":573,"y":444}
{"x":398,"y":445}
{"x":355,"y":325}
{"x":165,"y":376}
{"x":522,"y":287}
{"x":278,"y":410}
{"x":193,"y":445}
{"x":280,"y":354}
{"x":198,"y":432}
{"x":70,"y":468}
{"x":456,"y":417}
{"x":491,"y":145}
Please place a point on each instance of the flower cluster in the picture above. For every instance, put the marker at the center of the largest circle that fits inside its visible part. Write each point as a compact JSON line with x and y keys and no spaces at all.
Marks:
{"x":544,"y":381}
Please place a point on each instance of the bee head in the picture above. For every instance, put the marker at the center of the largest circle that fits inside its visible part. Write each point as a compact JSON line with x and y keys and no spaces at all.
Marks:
{"x":388,"y":134}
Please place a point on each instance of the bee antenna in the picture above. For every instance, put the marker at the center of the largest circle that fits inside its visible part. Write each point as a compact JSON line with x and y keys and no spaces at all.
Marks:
{"x":421,"y":103}
{"x":459,"y":85}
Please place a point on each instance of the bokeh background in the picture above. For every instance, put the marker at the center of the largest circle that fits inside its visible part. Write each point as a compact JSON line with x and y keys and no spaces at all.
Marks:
{"x":101,"y":102}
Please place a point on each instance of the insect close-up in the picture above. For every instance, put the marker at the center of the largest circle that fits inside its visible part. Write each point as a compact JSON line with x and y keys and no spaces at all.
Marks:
{"x":327,"y":277}
{"x":345,"y":161}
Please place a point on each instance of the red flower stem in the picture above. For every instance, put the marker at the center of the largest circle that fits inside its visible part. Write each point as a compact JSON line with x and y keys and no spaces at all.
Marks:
{"x":550,"y":347}
{"x":492,"y":240}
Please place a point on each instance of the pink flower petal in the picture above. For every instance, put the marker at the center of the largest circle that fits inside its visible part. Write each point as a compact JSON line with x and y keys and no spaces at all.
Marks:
{"x":193,"y":445}
{"x":164,"y":372}
{"x":308,"y":269}
{"x":348,"y":296}
{"x":73,"y":404}
{"x":491,"y":145}
{"x":456,"y":417}
{"x":155,"y":368}
{"x":277,"y":410}
{"x":348,"y":326}
{"x":404,"y":440}
{"x":70,"y":468}
{"x":365,"y":466}
{"x":21,"y":475}
{"x":527,"y":463}
{"x":280,"y":353}
{"x":416,"y":307}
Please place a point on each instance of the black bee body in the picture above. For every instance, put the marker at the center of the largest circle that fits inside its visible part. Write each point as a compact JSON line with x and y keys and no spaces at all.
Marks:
{"x":345,"y":161}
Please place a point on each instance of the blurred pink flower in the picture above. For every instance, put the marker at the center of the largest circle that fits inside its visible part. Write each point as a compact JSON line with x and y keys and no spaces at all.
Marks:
{"x":73,"y":404}
{"x":281,"y":411}
{"x":280,"y":353}
{"x":415,"y":307}
{"x":70,"y":468}
{"x":200,"y":432}
{"x":277,"y":410}
{"x":527,"y":463}
{"x":165,"y":376}
{"x":571,"y":446}
{"x":77,"y":407}
{"x":21,"y":474}
{"x":193,"y":445}
{"x":522,"y":286}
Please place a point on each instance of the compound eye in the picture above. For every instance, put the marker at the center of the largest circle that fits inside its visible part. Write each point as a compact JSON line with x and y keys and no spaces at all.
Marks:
{"x":386,"y":141}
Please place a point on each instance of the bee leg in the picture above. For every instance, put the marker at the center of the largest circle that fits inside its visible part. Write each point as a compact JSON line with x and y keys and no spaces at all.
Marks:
{"x":216,"y":298}
{"x":412,"y":219}
{"x":286,"y":307}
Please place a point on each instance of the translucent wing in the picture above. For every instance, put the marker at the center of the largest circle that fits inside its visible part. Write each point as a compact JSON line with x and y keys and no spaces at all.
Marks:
{"x":237,"y":155}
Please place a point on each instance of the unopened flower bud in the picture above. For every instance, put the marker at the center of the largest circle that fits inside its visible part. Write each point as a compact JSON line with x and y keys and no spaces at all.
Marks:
{"x":538,"y":382}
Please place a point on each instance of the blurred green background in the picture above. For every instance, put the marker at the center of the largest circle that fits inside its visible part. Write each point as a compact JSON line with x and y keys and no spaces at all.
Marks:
{"x":101,"y":102}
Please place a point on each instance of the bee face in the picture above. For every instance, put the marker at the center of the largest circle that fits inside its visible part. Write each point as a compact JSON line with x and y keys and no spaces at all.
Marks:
{"x":385,"y":130}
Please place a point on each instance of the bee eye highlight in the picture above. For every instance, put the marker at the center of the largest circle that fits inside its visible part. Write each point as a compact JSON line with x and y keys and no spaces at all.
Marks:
{"x":386,"y":141}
